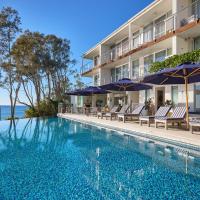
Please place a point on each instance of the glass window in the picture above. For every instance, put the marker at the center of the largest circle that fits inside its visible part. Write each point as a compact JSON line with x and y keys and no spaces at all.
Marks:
{"x":148,"y":60}
{"x":118,"y":73}
{"x":160,"y":56}
{"x":96,"y":80}
{"x":96,"y":60}
{"x":113,"y":75}
{"x":135,"y":68}
{"x":174,"y":95}
{"x":197,"y":43}
{"x":125,"y":73}
{"x":148,"y":33}
{"x":169,"y":52}
{"x":197,"y":97}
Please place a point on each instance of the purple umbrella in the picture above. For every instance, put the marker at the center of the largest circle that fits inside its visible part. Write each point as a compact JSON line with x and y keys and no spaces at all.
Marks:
{"x":126,"y":85}
{"x":89,"y":91}
{"x":183,"y":74}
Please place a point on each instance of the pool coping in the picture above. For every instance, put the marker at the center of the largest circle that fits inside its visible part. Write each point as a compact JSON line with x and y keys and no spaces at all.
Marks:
{"x":126,"y":132}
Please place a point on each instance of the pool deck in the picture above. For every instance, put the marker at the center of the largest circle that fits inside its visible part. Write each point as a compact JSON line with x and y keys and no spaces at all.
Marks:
{"x":172,"y":134}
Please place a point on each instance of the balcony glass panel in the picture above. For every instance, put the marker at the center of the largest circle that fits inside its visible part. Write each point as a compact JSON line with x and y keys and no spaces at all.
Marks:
{"x":196,"y":8}
{"x":125,"y":46}
{"x":148,"y":33}
{"x":160,"y":26}
{"x":136,"y":40}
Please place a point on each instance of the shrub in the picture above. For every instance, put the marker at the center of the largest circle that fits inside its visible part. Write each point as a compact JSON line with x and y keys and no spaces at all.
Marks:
{"x":176,"y":60}
{"x":45,"y":108}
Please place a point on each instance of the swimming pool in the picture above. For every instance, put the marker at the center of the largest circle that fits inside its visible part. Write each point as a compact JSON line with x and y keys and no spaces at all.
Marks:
{"x":60,"y":159}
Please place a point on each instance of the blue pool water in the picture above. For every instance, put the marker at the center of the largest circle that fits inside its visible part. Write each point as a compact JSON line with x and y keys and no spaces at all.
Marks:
{"x":59,"y":159}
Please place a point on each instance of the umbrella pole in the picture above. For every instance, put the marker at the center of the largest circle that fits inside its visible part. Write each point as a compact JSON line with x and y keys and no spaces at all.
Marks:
{"x":187,"y":104}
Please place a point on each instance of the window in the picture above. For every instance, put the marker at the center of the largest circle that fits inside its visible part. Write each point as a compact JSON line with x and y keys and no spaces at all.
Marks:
{"x":135,"y":68}
{"x":96,"y":80}
{"x":148,"y":60}
{"x":197,"y":97}
{"x":96,"y":60}
{"x":148,"y":33}
{"x":160,"y":56}
{"x":125,"y":73}
{"x":174,"y":95}
{"x":113,"y":75}
{"x":136,"y":39}
{"x":169,"y":52}
{"x":119,"y":73}
{"x":197,"y":43}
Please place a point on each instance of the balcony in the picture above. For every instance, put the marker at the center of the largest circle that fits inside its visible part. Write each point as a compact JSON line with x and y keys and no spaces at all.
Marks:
{"x":153,"y":32}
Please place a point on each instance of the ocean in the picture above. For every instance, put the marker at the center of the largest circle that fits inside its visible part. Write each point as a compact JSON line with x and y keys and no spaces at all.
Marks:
{"x":5,"y":111}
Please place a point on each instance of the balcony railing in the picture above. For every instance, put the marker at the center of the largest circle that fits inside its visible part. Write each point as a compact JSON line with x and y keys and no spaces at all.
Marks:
{"x":181,"y":18}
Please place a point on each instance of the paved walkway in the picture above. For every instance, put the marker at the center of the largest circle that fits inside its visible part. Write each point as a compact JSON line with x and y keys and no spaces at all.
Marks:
{"x":174,"y":135}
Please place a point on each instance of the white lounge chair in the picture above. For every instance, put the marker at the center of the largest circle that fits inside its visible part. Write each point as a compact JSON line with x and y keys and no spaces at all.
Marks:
{"x":135,"y":114}
{"x":178,"y":116}
{"x":161,"y":112}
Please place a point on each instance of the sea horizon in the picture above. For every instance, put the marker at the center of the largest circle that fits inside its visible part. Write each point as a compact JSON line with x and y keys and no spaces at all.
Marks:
{"x":5,"y":111}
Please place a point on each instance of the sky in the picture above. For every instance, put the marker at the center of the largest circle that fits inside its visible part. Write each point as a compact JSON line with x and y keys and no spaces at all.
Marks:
{"x":83,"y":22}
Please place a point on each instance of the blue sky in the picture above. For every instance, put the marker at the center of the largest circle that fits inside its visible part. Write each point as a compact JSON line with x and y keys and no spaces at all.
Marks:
{"x":83,"y":22}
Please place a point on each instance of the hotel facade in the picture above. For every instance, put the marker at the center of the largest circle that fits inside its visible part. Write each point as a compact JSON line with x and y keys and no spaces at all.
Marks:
{"x":162,"y":29}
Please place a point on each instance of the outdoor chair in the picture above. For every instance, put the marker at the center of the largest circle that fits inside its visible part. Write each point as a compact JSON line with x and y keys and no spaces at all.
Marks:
{"x":135,"y":113}
{"x":110,"y":115}
{"x":102,"y":114}
{"x":161,"y":112}
{"x":178,"y":116}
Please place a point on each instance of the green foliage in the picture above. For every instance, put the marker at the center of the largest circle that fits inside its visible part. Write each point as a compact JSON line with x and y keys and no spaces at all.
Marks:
{"x":43,"y":109}
{"x":175,"y":60}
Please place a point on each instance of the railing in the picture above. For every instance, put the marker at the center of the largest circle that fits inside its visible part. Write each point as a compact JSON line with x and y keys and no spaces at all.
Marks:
{"x":181,"y":18}
{"x":87,"y":67}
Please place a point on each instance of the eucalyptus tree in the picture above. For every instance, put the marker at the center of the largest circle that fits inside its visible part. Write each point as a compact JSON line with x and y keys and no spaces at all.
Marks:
{"x":9,"y":28}
{"x":28,"y":53}
{"x":58,"y":66}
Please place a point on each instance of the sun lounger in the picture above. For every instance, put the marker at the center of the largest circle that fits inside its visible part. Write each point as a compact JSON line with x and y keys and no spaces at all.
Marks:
{"x":194,"y":124}
{"x":110,"y":115}
{"x":135,"y":114}
{"x":178,"y":116}
{"x":161,"y":112}
{"x":102,"y":114}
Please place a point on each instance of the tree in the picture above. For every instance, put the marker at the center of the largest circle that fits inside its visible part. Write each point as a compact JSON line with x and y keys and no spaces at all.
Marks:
{"x":9,"y":28}
{"x":44,"y":65}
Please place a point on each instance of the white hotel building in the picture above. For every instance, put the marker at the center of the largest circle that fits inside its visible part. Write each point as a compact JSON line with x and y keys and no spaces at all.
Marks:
{"x":162,"y":29}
